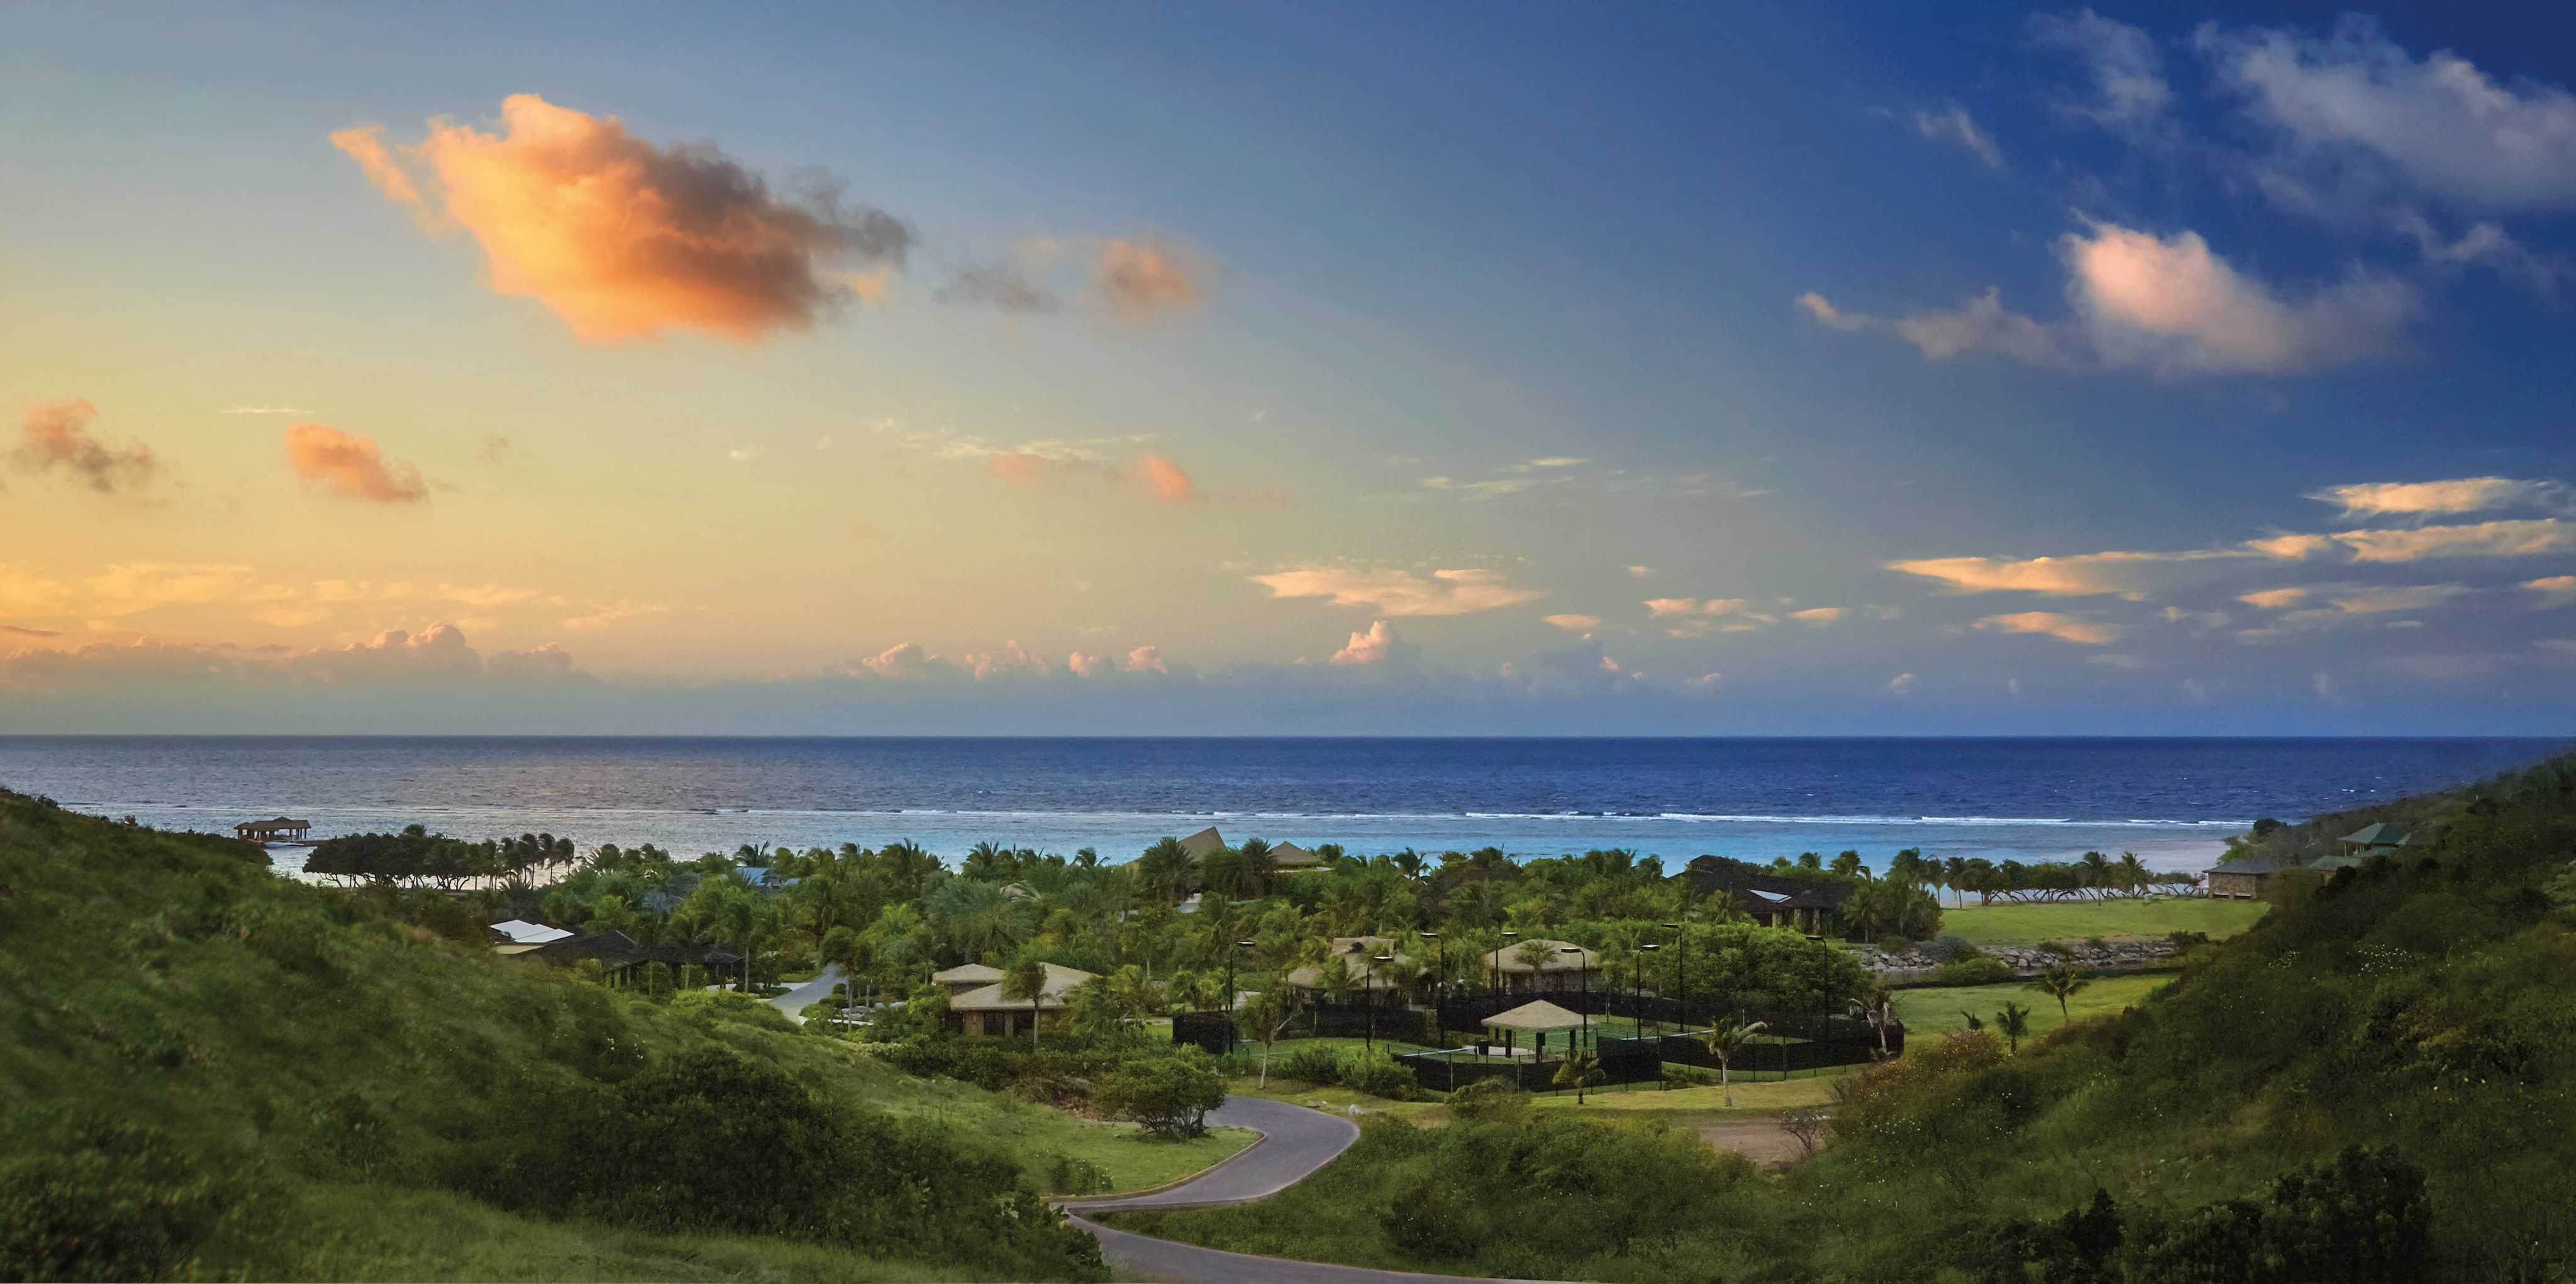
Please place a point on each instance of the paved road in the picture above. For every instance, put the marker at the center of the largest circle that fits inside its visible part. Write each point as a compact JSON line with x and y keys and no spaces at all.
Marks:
{"x":1295,"y":1142}
{"x":815,"y":991}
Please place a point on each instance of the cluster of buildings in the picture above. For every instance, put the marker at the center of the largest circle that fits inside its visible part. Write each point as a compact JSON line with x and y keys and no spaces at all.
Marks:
{"x":2251,"y":879}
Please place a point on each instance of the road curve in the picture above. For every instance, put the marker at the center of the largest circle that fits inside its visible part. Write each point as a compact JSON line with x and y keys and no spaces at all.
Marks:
{"x":1295,"y":1142}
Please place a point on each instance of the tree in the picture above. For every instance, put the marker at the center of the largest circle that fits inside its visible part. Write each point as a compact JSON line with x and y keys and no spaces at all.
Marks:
{"x":1579,"y":1070}
{"x":1026,"y":980}
{"x":2060,"y":982}
{"x":1168,"y":1095}
{"x":1335,"y":979}
{"x":1263,"y":1018}
{"x":1879,"y":1009}
{"x":2014,"y":1022}
{"x":1724,"y":1040}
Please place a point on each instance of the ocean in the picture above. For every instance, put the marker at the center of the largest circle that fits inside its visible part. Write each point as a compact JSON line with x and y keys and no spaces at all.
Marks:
{"x":2171,"y":801}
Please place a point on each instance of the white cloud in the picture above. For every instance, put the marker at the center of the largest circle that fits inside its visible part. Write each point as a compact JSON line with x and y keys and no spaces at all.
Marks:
{"x":1084,"y":666}
{"x":902,"y":660}
{"x":1392,"y":592}
{"x":2274,"y":599}
{"x":2130,"y":93}
{"x":1371,"y":647}
{"x":1818,"y":615}
{"x":1955,"y":126}
{"x":1901,"y":684}
{"x":2172,"y":305}
{"x":2066,"y":628}
{"x":2438,"y":122}
{"x":2079,"y":576}
{"x":1146,"y":659}
{"x":1481,"y":489}
{"x":1641,"y":572}
{"x":2372,"y":601}
{"x":1983,"y":325}
{"x":2456,"y":495}
{"x":1831,"y":317}
{"x":1575,"y":623}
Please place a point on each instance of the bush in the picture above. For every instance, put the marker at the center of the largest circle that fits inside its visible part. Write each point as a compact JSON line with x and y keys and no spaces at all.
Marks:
{"x":1947,"y":947}
{"x":1319,"y":1066}
{"x":89,"y":1200}
{"x":1378,"y":1077}
{"x":1975,"y":969}
{"x":1487,"y":1100}
{"x":1067,"y":1175}
{"x":1170,"y":1096}
{"x":1894,"y":944}
{"x":2358,"y":1216}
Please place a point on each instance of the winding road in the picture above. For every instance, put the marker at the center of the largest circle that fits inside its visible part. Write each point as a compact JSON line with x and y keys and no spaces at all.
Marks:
{"x":814,"y":991}
{"x":1295,"y":1142}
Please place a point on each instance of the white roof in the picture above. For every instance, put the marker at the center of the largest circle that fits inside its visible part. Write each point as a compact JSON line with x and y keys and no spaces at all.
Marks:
{"x":526,"y":933}
{"x":1059,"y":981}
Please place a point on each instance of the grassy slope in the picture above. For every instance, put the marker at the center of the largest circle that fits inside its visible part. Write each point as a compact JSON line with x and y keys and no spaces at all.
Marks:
{"x":2077,"y":920}
{"x":169,"y":980}
{"x":1932,"y":1012}
{"x":1133,"y":1160}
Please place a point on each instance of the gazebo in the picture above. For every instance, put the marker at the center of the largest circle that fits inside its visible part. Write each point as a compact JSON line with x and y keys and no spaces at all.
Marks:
{"x":262,"y":831}
{"x":1538,"y":1017}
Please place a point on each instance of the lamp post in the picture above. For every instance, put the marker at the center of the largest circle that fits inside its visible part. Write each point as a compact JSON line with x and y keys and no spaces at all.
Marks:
{"x":1681,"y":977}
{"x":1369,"y":987}
{"x":1648,"y":950}
{"x":1229,"y":995}
{"x":1583,"y":975}
{"x":1508,"y":938}
{"x":1439,"y":987}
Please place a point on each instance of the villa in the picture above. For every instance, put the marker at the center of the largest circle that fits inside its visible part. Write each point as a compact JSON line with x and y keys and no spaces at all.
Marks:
{"x":1358,"y":953}
{"x":1771,"y":900}
{"x":985,"y":1011}
{"x":284,"y":828}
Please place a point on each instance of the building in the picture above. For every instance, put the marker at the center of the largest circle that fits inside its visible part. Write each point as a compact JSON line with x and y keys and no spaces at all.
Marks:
{"x":2381,"y":839}
{"x":518,"y":936}
{"x":969,"y":976}
{"x":1560,"y":966}
{"x":1771,"y":900}
{"x":282,"y":829}
{"x":1290,"y":856}
{"x":1359,"y":954}
{"x":2247,"y":880}
{"x":985,"y":1011}
{"x":2251,"y":879}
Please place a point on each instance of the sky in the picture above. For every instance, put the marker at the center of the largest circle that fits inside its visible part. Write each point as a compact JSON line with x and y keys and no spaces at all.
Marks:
{"x":1317,"y":369}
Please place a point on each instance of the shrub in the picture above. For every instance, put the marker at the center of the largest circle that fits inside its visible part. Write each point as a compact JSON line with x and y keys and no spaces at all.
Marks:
{"x":1894,"y":944}
{"x":83,"y":1199}
{"x":1487,"y":1100}
{"x":1947,"y":947}
{"x":1975,"y":969}
{"x":1378,"y":1077}
{"x":1318,"y":1066}
{"x":1170,"y":1096}
{"x":1067,"y":1175}
{"x":2358,"y":1216}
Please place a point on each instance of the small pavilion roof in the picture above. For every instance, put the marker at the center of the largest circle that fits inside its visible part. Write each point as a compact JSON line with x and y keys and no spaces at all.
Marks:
{"x":968,"y":974}
{"x":1539,"y":1015}
{"x":1198,"y":845}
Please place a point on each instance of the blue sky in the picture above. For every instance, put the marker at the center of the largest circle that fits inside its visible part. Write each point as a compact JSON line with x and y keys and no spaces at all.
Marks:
{"x":1516,"y":369}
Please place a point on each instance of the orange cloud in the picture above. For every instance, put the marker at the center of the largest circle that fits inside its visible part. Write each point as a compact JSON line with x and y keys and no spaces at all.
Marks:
{"x":1372,"y":647}
{"x":1146,"y":659}
{"x":56,"y":435}
{"x":1144,"y":278}
{"x":1165,"y":481}
{"x":1030,"y":471}
{"x":349,"y":465}
{"x":1393,"y":592}
{"x":623,"y":239}
{"x":2065,"y":628}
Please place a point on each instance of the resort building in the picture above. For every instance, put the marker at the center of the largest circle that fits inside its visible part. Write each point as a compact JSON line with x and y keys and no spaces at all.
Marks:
{"x":518,"y":936}
{"x":282,"y":829}
{"x":1772,"y":901}
{"x":968,"y":976}
{"x":1541,"y":967}
{"x":984,"y":1011}
{"x":1359,"y":954}
{"x":2251,"y":879}
{"x":2381,"y":839}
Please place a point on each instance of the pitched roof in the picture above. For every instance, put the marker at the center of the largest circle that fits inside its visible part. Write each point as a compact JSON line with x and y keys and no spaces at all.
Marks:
{"x":968,"y":974}
{"x":1557,"y":959}
{"x":1198,"y":845}
{"x":2381,"y":834}
{"x":1060,"y":981}
{"x":1537,"y":1015}
{"x":1292,"y":856}
{"x":522,"y":932}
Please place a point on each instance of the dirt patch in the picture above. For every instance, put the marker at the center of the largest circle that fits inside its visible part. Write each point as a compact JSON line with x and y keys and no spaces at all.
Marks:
{"x":1763,"y":1141}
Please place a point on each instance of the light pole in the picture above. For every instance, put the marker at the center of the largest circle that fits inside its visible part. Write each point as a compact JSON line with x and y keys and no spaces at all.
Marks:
{"x":1584,"y":975}
{"x":1369,"y":987}
{"x":1681,"y":977}
{"x":1229,"y":995}
{"x":1439,"y":988}
{"x":1642,"y":968}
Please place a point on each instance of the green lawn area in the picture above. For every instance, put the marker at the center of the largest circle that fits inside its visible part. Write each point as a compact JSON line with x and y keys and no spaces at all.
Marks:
{"x":1936,"y":1011}
{"x":1035,"y":1134}
{"x":2077,"y":920}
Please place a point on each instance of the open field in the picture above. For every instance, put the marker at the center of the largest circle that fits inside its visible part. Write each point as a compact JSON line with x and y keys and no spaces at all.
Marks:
{"x":2077,"y":920}
{"x":1936,"y":1011}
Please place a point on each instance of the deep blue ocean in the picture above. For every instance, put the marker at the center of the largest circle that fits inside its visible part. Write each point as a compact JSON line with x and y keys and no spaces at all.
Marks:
{"x":2170,"y":801}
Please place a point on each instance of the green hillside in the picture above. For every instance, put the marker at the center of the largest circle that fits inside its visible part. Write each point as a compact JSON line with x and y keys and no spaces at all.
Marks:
{"x":210,"y":1071}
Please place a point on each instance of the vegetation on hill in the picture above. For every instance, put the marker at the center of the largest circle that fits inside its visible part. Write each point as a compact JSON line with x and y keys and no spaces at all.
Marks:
{"x":2376,"y":1082}
{"x":211,"y":1071}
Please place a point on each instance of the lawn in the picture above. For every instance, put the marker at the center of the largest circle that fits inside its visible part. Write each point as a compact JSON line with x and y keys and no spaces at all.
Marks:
{"x":1937,"y":1011}
{"x":1035,"y":1134}
{"x":2077,"y":920}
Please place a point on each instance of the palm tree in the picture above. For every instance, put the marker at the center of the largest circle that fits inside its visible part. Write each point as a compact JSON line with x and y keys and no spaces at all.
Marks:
{"x":1335,"y":979}
{"x":909,"y":864}
{"x":1724,"y":1040}
{"x":2014,"y":1021}
{"x":1535,"y":955}
{"x":2133,"y":872}
{"x":1164,"y":869}
{"x":1879,"y":1009}
{"x":2059,"y":982}
{"x":1954,"y":875}
{"x":1026,"y":979}
{"x":1579,"y":1070}
{"x":2097,"y":873}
